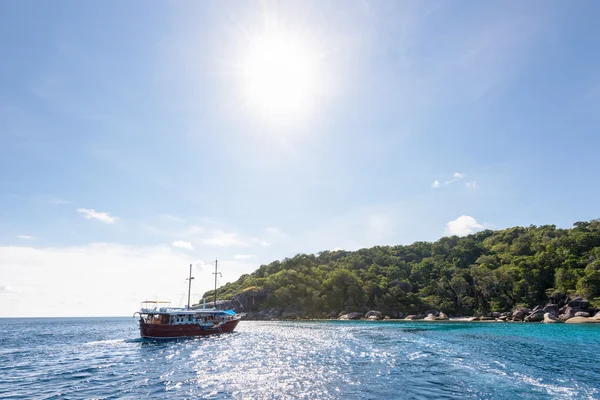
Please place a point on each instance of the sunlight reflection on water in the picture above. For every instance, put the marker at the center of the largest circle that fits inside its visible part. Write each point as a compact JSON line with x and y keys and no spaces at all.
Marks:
{"x":264,"y":360}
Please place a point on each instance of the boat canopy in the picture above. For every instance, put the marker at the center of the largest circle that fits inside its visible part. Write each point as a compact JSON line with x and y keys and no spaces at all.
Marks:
{"x":185,"y":311}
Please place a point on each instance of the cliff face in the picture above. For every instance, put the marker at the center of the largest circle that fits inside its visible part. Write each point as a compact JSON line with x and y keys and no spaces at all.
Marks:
{"x":490,"y":271}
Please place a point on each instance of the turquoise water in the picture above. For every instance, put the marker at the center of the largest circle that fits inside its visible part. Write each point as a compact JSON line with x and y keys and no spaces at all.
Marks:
{"x":103,"y":358}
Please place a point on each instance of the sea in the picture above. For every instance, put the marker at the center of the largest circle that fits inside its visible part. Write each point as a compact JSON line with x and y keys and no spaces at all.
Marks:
{"x":104,"y":358}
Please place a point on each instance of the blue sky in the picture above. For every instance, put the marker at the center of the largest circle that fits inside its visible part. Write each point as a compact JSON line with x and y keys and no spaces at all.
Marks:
{"x":131,"y":144}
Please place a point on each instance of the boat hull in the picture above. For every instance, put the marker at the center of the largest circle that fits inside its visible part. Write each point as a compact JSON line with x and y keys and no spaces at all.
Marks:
{"x":164,"y":331}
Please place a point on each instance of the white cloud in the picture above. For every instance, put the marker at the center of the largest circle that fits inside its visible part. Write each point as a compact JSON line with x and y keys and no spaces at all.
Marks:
{"x":100,"y":216}
{"x":462,"y":226}
{"x":103,"y":279}
{"x":244,"y":256}
{"x":455,"y":177}
{"x":25,"y":237}
{"x":97,"y":279}
{"x":183,"y":245}
{"x":472,"y":185}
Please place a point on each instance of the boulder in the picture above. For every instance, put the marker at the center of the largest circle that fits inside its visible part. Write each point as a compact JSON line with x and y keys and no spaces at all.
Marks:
{"x":582,"y":314}
{"x":579,"y":303}
{"x":565,"y":313}
{"x":444,"y":317}
{"x":430,"y":317}
{"x":582,"y":320}
{"x":482,"y":318}
{"x":550,"y":318}
{"x":597,"y":316}
{"x":520,"y":313}
{"x":375,"y":314}
{"x":412,"y":317}
{"x":537,"y":316}
{"x":373,"y":318}
{"x":495,"y":315}
{"x":551,"y":308}
{"x":352,"y":315}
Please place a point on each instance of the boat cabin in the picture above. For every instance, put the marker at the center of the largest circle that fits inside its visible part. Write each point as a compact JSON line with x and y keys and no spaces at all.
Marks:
{"x":159,"y":313}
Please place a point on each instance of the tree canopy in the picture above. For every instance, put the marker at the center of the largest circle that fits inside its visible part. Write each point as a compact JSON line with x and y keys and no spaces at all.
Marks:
{"x":482,"y":272}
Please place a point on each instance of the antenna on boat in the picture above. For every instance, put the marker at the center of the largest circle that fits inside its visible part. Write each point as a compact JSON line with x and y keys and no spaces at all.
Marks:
{"x":215,"y":274}
{"x":190,"y":286}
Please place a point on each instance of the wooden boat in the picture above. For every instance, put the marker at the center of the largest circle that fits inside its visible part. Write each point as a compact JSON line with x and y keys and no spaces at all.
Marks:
{"x":160,"y":321}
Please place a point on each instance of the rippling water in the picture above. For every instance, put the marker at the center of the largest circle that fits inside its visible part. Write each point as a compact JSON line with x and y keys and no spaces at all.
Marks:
{"x":103,"y":358}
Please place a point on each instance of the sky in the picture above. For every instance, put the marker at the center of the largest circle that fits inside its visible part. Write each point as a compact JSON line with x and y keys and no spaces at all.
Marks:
{"x":138,"y":138}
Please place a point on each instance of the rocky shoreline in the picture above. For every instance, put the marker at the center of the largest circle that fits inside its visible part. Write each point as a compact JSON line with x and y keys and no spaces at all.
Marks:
{"x":559,"y":309}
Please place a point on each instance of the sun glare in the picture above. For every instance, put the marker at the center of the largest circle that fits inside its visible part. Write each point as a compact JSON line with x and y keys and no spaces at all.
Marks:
{"x":279,"y":75}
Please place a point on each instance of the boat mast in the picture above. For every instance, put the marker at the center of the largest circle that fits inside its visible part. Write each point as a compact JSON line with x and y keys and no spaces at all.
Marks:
{"x":215,"y":273}
{"x":189,"y":286}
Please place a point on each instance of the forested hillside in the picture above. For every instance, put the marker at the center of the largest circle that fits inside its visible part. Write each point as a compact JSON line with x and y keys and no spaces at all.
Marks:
{"x":486,"y":271}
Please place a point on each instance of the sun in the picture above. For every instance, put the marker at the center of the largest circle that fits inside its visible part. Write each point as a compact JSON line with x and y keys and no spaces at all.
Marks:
{"x":279,"y":75}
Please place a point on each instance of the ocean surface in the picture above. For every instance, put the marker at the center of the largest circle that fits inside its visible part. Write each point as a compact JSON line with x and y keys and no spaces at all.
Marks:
{"x":101,"y":358}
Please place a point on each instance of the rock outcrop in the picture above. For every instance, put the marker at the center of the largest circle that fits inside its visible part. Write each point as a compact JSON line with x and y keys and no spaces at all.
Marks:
{"x":536,"y":316}
{"x":566,"y":312}
{"x":582,"y":320}
{"x":430,"y":317}
{"x":550,"y":318}
{"x":352,"y":315}
{"x":520,"y":313}
{"x":482,"y":318}
{"x":582,"y":314}
{"x":579,"y":303}
{"x":373,"y":315}
{"x":551,"y":308}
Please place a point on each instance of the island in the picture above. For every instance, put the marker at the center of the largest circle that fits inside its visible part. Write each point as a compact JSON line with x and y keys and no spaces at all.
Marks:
{"x":522,"y":274}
